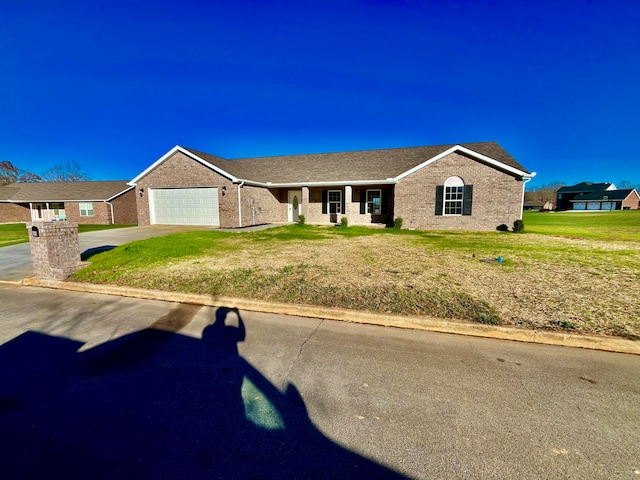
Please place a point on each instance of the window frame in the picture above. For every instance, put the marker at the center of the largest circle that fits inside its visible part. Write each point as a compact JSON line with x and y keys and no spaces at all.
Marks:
{"x":453,"y":197}
{"x":338,"y":202}
{"x":369,"y":209}
{"x":86,"y":207}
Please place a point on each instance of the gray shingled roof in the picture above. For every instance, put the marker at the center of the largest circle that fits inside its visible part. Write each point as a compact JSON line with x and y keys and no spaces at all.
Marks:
{"x":364,"y":165}
{"x":62,"y":191}
{"x":599,"y":196}
{"x":584,"y":187}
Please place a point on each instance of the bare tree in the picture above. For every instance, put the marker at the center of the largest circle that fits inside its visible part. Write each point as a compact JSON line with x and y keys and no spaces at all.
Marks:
{"x":9,"y":173}
{"x":543,"y":193}
{"x":69,"y":172}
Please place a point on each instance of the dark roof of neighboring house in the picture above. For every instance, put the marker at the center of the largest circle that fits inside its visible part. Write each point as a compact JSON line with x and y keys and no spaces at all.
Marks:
{"x":599,"y":196}
{"x":585,"y":187}
{"x":364,"y":165}
{"x":63,"y":191}
{"x":535,"y":203}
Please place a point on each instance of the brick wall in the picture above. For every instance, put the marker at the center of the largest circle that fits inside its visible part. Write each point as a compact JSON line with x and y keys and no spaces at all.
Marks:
{"x":182,"y":171}
{"x":632,"y":202}
{"x":101,"y":213}
{"x":262,"y":205}
{"x":497,"y":196}
{"x":125,"y":208}
{"x":55,"y":251}
{"x":13,"y":212}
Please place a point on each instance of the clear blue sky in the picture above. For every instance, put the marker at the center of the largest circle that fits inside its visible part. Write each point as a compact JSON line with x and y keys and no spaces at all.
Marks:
{"x":113,"y":85}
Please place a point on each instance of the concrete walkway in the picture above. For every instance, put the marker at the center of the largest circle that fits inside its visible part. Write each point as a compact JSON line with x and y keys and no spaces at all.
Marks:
{"x":15,"y":260}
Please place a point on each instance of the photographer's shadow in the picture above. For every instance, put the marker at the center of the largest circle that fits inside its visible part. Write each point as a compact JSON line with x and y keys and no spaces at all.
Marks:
{"x":156,"y":404}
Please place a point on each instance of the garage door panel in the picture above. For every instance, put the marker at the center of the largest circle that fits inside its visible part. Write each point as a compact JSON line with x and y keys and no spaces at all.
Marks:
{"x":184,"y":206}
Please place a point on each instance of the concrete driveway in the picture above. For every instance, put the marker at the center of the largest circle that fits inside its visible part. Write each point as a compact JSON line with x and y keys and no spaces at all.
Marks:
{"x":15,"y":260}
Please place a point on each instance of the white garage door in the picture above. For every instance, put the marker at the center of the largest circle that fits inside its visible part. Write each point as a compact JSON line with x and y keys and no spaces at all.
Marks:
{"x":184,"y":206}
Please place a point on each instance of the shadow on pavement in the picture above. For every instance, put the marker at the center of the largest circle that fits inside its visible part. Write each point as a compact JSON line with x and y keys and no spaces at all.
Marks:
{"x":156,"y":404}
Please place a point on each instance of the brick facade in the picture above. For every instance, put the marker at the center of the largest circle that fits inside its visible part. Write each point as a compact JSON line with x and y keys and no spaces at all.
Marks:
{"x":497,"y":196}
{"x":257,"y":205}
{"x":14,"y":213}
{"x":124,"y":211}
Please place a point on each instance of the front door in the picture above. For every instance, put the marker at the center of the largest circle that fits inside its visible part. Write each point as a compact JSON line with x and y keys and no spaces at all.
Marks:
{"x":295,"y":205}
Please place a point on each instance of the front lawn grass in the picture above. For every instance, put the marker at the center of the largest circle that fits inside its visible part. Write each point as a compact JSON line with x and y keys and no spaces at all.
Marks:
{"x":547,"y":281}
{"x":13,"y":233}
{"x":621,"y":225}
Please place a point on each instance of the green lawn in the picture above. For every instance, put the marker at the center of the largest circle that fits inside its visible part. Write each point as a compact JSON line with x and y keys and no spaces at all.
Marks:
{"x":12,"y":233}
{"x":567,"y":272}
{"x":618,"y":225}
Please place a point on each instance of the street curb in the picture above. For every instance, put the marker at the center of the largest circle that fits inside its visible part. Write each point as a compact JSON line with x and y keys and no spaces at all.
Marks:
{"x":593,"y":342}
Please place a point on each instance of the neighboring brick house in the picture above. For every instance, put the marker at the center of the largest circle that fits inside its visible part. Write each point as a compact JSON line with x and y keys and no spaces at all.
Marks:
{"x":626,"y":199}
{"x":596,"y":196}
{"x":102,"y":202}
{"x":475,"y":186}
{"x":565,"y":195}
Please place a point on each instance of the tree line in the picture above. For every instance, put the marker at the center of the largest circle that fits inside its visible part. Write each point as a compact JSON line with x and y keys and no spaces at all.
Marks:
{"x":69,"y":172}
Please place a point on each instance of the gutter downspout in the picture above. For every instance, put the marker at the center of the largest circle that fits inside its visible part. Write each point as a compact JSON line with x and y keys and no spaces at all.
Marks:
{"x":113,"y":222}
{"x":240,"y":185}
{"x":31,"y":210}
{"x":524,"y":182}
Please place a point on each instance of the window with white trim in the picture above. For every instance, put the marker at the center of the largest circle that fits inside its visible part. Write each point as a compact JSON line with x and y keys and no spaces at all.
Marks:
{"x":374,"y":201}
{"x":86,"y":209}
{"x":453,"y":196}
{"x":334,"y":201}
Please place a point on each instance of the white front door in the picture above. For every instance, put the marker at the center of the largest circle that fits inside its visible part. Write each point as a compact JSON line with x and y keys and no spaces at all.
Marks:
{"x":295,"y":205}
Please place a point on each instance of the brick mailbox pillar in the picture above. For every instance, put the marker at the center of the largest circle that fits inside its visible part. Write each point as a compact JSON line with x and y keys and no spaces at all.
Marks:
{"x":55,"y":249}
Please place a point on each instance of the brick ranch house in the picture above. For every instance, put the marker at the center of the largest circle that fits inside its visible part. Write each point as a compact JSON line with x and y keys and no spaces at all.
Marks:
{"x":474,"y":186}
{"x":103,"y":202}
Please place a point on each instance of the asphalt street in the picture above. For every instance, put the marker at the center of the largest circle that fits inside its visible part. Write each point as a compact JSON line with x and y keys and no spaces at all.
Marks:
{"x":98,"y":386}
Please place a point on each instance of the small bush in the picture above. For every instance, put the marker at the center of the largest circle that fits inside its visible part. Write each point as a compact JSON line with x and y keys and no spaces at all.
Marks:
{"x":502,"y":228}
{"x":518,"y":226}
{"x":344,"y":222}
{"x":301,"y":219}
{"x":397,"y":223}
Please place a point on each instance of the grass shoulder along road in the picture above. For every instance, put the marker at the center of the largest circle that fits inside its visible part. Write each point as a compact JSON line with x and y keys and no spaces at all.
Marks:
{"x":557,"y":280}
{"x":14,"y":233}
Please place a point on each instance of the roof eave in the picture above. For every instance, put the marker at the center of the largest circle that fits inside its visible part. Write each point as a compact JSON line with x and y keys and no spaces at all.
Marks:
{"x":342,"y":183}
{"x":189,"y":154}
{"x":471,"y":153}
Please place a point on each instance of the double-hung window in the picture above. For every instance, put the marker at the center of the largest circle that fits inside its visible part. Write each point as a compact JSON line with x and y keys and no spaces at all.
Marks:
{"x":86,"y":209}
{"x":334,"y":201}
{"x":374,"y":202}
{"x":453,"y":198}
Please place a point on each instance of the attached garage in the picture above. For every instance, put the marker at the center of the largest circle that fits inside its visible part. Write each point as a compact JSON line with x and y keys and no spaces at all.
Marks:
{"x":184,"y":206}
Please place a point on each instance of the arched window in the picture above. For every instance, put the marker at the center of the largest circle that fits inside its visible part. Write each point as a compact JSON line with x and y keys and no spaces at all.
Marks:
{"x":454,"y":197}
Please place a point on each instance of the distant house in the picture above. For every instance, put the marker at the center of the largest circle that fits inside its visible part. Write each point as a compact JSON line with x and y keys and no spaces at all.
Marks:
{"x":627,"y":199}
{"x":104,"y":202}
{"x":565,"y":195}
{"x":538,"y":205}
{"x":474,"y":186}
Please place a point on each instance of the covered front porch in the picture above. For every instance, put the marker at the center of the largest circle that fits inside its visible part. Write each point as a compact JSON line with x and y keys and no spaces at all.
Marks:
{"x":360,"y":204}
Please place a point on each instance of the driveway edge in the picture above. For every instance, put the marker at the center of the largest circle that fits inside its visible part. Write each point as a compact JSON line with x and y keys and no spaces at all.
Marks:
{"x":593,"y":342}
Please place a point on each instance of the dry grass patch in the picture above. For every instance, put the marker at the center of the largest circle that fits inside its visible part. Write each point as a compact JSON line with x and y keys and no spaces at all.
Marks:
{"x":545,"y":282}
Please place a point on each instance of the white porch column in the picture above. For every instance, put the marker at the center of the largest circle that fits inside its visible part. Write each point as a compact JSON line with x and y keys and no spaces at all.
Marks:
{"x":348,"y":194}
{"x":305,"y":203}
